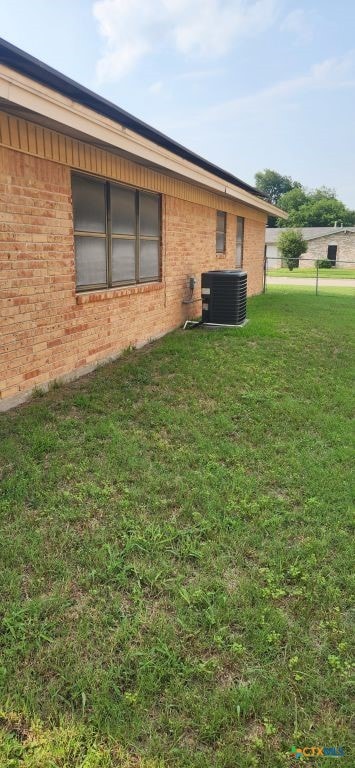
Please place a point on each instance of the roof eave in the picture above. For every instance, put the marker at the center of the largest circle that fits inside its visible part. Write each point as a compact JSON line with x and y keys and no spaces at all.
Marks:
{"x":26,"y":94}
{"x":27,"y":65}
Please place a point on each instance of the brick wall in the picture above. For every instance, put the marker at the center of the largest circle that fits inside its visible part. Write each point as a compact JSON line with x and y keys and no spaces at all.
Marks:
{"x":47,"y":331}
{"x":318,"y":249}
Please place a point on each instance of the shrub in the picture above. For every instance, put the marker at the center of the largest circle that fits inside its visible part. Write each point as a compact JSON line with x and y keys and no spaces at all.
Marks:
{"x":292,"y":245}
{"x":324,"y":264}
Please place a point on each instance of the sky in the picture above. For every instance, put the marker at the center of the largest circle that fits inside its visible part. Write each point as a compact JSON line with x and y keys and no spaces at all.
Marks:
{"x":248,"y":84}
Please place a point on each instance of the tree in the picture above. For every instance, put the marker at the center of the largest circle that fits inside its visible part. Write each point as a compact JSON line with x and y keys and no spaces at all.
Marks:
{"x":292,"y":245}
{"x":306,"y":208}
{"x":316,"y":208}
{"x":291,"y":201}
{"x":323,"y":192}
{"x":318,"y":212}
{"x":272,"y":184}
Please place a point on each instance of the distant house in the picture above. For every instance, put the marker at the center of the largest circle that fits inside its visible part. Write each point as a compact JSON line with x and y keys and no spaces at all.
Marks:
{"x":334,"y":243}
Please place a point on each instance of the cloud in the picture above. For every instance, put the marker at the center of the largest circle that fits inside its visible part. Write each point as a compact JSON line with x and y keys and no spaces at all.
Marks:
{"x":298,"y":22}
{"x":121,"y":24}
{"x":206,"y":29}
{"x":156,"y":87}
{"x":199,"y":74}
{"x":189,"y":75}
{"x":210,"y":27}
{"x":328,"y":75}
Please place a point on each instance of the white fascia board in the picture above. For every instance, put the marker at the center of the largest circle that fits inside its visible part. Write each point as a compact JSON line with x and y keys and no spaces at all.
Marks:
{"x":28,"y":94}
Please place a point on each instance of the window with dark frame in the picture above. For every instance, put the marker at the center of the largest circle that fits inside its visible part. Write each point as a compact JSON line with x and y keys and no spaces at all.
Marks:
{"x":221,"y":229}
{"x":239,"y":243}
{"x":117,"y":234}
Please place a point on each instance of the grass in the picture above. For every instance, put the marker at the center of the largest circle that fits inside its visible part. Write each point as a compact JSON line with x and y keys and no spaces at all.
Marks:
{"x":176,"y":551}
{"x":324,"y":290}
{"x":338,"y":273}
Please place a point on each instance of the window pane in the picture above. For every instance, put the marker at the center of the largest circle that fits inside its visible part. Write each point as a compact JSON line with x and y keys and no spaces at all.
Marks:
{"x":240,"y":229}
{"x":149,"y":259}
{"x":90,"y":261}
{"x":88,"y":205}
{"x":239,"y":256}
{"x":220,"y":243}
{"x":149,"y":214}
{"x":123,"y":210}
{"x":123,"y":260}
{"x":221,"y":221}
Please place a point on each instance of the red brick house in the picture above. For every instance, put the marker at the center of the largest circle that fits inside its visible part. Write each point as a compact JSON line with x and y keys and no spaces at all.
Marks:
{"x":102,"y":221}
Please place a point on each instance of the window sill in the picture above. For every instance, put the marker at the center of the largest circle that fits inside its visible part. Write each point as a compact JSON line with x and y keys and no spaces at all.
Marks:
{"x":221,"y":255}
{"x":87,"y":297}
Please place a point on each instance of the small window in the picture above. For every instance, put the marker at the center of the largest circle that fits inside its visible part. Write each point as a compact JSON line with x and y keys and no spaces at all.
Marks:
{"x":221,"y":229}
{"x":90,"y":261}
{"x":239,"y":242}
{"x":123,"y":260}
{"x":149,"y":215}
{"x":89,"y":205}
{"x":123,"y":210}
{"x":117,"y":234}
{"x":149,"y":259}
{"x":89,"y":212}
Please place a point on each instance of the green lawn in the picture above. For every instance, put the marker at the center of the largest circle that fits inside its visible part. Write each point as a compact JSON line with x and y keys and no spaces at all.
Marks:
{"x":339,"y":273}
{"x":176,"y":551}
{"x":324,"y":290}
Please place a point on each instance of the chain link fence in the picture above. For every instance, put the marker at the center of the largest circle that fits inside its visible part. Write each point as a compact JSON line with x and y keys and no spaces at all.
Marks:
{"x":309,"y":274}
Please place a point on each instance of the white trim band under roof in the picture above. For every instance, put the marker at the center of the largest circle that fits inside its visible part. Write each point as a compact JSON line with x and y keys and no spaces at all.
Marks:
{"x":45,"y":102}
